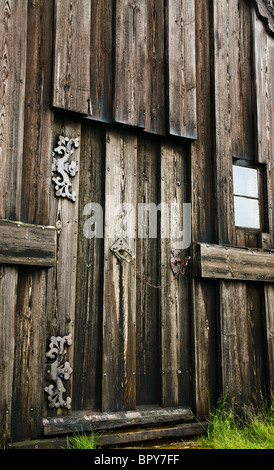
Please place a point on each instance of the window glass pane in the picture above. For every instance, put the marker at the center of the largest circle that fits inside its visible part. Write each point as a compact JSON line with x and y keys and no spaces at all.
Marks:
{"x":245,"y":181}
{"x":247,"y":212}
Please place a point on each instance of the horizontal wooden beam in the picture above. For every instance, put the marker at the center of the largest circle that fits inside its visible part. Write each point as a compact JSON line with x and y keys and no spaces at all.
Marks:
{"x":89,"y":420}
{"x":25,"y":244}
{"x":224,"y":262}
{"x":123,"y":437}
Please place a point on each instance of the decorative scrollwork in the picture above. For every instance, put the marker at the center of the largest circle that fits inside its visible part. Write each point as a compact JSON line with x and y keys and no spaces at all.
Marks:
{"x":265,"y":11}
{"x":58,"y":371}
{"x":270,"y":5}
{"x":64,"y":167}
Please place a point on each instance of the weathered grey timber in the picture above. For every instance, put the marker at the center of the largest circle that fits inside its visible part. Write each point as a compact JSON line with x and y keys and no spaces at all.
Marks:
{"x":162,"y":99}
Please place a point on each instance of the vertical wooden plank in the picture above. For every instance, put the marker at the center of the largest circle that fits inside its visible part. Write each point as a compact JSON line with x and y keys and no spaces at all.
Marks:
{"x":269,"y":313}
{"x":30,"y":332}
{"x":202,"y":151}
{"x":234,"y":342}
{"x":61,"y":282}
{"x":28,"y":384}
{"x":182,"y":68}
{"x":101,"y":60}
{"x":89,"y":284}
{"x":13,"y":37}
{"x":226,"y":54}
{"x":206,"y":381}
{"x":71,"y":85}
{"x":38,"y":144}
{"x":263,"y":61}
{"x":204,"y":309}
{"x":130,"y":80}
{"x":264,"y":73}
{"x":175,"y":333}
{"x":147,"y":262}
{"x":119,"y":310}
{"x":156,"y":95}
{"x":242,"y":341}
{"x":13,"y":34}
{"x":245,"y":147}
{"x":8,"y":290}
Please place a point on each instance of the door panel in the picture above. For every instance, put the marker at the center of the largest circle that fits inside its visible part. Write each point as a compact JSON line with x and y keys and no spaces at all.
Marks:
{"x":140,"y":331}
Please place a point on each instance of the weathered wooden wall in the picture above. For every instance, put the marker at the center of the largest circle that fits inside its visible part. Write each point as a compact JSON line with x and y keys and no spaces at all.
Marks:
{"x":162,"y":95}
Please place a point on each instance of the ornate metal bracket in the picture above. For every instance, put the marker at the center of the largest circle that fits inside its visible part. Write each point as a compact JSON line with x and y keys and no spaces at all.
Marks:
{"x":64,"y":167}
{"x":58,"y":371}
{"x":265,"y":11}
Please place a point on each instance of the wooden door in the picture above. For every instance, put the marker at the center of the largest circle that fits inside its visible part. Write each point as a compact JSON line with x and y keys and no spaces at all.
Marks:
{"x":131,"y":338}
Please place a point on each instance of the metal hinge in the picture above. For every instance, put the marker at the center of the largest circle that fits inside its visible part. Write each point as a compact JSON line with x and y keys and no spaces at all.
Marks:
{"x":58,"y":371}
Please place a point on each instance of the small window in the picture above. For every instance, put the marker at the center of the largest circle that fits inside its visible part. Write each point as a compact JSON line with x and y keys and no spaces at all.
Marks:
{"x":246,"y":197}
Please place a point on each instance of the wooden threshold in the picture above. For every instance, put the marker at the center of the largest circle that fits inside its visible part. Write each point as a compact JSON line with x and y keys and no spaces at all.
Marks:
{"x":91,"y":420}
{"x":226,"y":262}
{"x":113,"y":438}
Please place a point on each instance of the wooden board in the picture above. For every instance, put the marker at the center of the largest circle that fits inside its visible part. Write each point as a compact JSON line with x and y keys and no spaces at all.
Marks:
{"x":89,"y":278}
{"x":101,"y":60}
{"x":226,"y":76}
{"x":8,"y":299}
{"x":182,"y":68}
{"x":13,"y":51}
{"x":269,"y":325}
{"x":30,"y":325}
{"x":119,"y":309}
{"x":121,"y":437}
{"x":263,"y":74}
{"x":241,"y":336}
{"x":205,"y":334}
{"x":147,"y":263}
{"x":38,"y":139}
{"x":175,"y":334}
{"x":218,"y":262}
{"x":88,"y":420}
{"x":61,"y":281}
{"x":29,"y":358}
{"x":27,"y":244}
{"x":130,"y":85}
{"x":72,"y":55}
{"x":155,"y":68}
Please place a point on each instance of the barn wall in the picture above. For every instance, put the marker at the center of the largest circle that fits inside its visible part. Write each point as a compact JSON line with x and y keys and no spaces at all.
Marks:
{"x":214,"y":106}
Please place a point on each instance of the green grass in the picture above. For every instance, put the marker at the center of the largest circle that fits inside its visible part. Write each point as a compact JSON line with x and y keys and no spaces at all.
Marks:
{"x":82,"y":441}
{"x":253,"y":428}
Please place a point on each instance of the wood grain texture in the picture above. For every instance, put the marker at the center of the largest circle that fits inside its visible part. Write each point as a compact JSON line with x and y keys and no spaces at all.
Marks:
{"x":29,"y":358}
{"x":102,"y":60}
{"x":205,"y":343}
{"x":61,"y":281}
{"x":115,"y":420}
{"x":269,"y":312}
{"x":182,"y":68}
{"x":89,"y":279}
{"x":215,"y":261}
{"x":130,"y":88}
{"x":147,"y":262}
{"x":174,"y":298}
{"x":8,"y":299}
{"x":243,"y":368}
{"x":27,"y":244}
{"x":72,"y":55}
{"x":119,"y":309}
{"x":226,"y":77}
{"x":263,"y":46}
{"x":13,"y":50}
{"x":156,"y":100}
{"x":38,"y":139}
